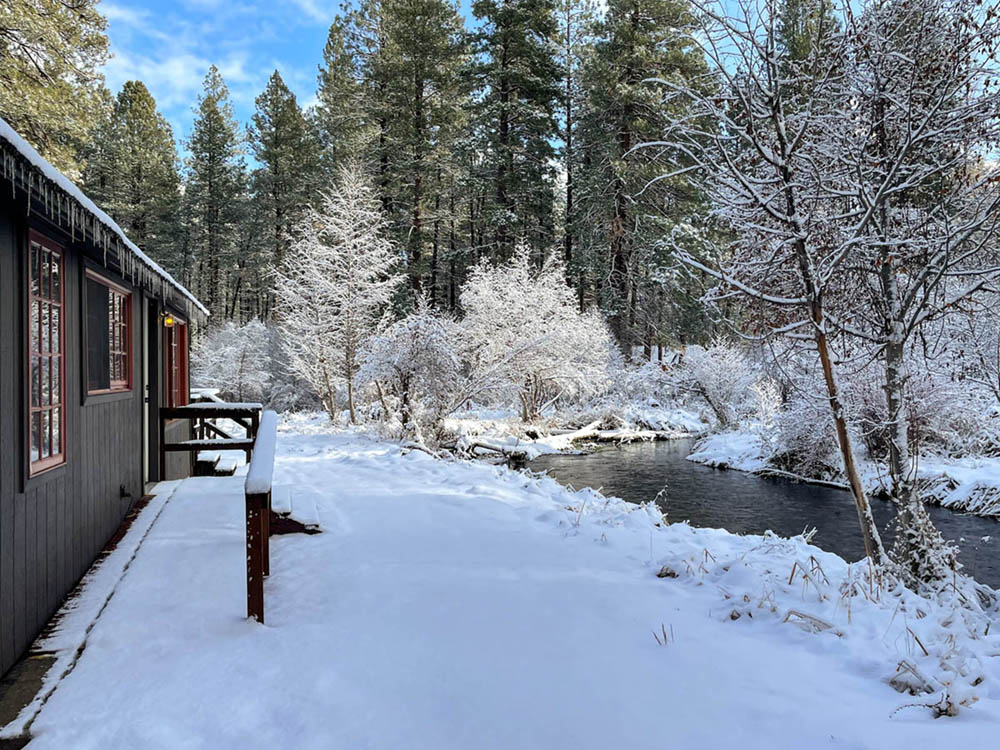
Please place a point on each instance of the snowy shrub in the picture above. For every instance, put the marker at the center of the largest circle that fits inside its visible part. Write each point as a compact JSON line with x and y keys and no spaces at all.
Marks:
{"x":942,"y":415}
{"x":525,"y":339}
{"x":414,"y":362}
{"x":722,"y":375}
{"x":804,"y":440}
{"x":337,"y":282}
{"x":650,"y":382}
{"x":287,"y":392}
{"x":235,"y":359}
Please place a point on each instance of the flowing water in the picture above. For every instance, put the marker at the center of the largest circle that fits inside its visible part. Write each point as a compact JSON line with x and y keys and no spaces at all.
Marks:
{"x":747,"y":504}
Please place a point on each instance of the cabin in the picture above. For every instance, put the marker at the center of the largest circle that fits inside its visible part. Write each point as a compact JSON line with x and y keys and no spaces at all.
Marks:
{"x":94,"y":342}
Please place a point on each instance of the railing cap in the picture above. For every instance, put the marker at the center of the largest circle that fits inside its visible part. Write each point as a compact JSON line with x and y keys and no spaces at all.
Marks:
{"x":261,"y":469}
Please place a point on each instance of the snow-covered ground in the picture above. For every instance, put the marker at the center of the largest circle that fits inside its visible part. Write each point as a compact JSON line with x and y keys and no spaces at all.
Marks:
{"x":970,"y":484}
{"x":463,"y":605}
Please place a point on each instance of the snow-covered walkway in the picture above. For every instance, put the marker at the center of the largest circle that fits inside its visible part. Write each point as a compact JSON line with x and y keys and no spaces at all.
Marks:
{"x":463,"y":606}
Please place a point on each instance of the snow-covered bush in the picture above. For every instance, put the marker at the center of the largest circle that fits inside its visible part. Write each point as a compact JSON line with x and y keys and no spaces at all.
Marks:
{"x":414,"y":364}
{"x":942,"y":415}
{"x":337,"y":282}
{"x":721,"y":374}
{"x":288,"y":392}
{"x":804,"y":441}
{"x":525,"y":339}
{"x":235,"y":359}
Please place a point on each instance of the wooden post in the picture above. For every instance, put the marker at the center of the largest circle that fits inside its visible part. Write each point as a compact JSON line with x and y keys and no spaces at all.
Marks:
{"x":256,"y":511}
{"x":254,"y":428}
{"x":265,"y":520}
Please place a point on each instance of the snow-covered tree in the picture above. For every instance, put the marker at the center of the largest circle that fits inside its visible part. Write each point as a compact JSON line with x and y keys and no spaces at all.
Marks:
{"x":852,"y":183}
{"x":337,"y":281}
{"x":415,"y":362}
{"x":755,"y":136}
{"x":921,"y":78}
{"x":525,"y":338}
{"x":234,"y":358}
{"x":722,"y":375}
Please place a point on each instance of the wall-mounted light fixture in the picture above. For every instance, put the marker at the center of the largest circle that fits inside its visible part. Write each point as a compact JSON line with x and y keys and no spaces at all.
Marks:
{"x":169,"y":321}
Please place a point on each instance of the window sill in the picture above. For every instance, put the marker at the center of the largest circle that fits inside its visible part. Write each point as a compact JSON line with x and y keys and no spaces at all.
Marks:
{"x":93,"y":399}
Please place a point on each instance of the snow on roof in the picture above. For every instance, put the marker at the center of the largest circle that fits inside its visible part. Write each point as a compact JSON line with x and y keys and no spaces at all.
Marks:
{"x":26,"y":150}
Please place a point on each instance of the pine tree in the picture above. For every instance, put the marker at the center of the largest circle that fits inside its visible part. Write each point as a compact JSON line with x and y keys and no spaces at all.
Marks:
{"x":639,"y":40}
{"x":340,"y":107}
{"x":132,"y":172}
{"x":802,"y":24}
{"x":215,"y":189}
{"x":519,"y":78}
{"x":425,"y":48}
{"x":51,"y":54}
{"x":576,"y":19}
{"x":284,"y":146}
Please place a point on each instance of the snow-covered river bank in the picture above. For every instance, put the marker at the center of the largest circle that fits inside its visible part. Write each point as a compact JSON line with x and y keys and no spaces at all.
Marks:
{"x":970,"y":484}
{"x":748,"y":504}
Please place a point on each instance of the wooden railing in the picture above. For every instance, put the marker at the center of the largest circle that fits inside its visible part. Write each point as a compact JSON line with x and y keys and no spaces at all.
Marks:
{"x":207,"y":434}
{"x":257,"y":489}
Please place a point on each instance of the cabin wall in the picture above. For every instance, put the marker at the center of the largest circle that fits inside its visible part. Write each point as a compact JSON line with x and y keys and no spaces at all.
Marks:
{"x":178,"y":464}
{"x":53,"y":526}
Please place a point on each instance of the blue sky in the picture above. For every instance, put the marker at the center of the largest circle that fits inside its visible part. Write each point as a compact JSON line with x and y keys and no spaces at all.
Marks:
{"x":169,"y":44}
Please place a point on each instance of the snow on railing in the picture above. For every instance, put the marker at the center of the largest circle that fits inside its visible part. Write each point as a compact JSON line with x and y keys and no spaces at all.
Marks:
{"x":222,"y":406}
{"x":262,"y":463}
{"x":258,"y":512}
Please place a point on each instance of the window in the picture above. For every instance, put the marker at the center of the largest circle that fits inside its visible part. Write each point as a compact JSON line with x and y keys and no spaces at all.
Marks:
{"x":177,"y":380}
{"x":46,"y":366}
{"x":109,"y":336}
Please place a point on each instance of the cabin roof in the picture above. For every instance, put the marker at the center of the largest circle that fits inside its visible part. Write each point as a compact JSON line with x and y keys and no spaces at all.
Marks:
{"x":52,"y":194}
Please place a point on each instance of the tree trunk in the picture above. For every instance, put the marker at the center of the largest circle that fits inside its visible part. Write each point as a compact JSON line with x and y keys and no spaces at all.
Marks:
{"x":873,"y":541}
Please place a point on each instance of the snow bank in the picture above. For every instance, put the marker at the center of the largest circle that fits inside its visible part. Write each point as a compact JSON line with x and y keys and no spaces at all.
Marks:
{"x":968,"y":484}
{"x":454,"y":604}
{"x":731,"y":450}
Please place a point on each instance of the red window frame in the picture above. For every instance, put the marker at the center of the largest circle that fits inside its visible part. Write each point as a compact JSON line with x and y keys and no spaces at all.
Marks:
{"x":119,"y":336}
{"x":177,"y":364}
{"x":45,"y":430}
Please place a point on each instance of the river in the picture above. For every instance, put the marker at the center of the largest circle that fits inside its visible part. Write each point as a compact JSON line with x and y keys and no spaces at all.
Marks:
{"x":747,"y":504}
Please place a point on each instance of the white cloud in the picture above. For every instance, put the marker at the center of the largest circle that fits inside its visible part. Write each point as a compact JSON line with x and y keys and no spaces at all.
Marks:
{"x":317,"y":10}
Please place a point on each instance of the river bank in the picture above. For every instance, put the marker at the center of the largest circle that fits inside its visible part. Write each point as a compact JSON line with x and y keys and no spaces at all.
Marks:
{"x":969,"y":484}
{"x":744,"y":503}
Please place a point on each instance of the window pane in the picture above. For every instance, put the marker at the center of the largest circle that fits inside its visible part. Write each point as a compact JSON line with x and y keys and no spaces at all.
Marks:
{"x":56,"y":391}
{"x":46,"y":265}
{"x":36,"y":421}
{"x":33,"y":324}
{"x":55,"y":314}
{"x":56,"y":279}
{"x":46,"y":434}
{"x":57,"y":430}
{"x":36,"y":381}
{"x":98,"y":337}
{"x":44,"y":327}
{"x":46,"y":381}
{"x":36,"y":254}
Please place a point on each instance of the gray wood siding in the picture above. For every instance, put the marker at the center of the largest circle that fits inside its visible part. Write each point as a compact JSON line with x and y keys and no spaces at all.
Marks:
{"x":54,"y":525}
